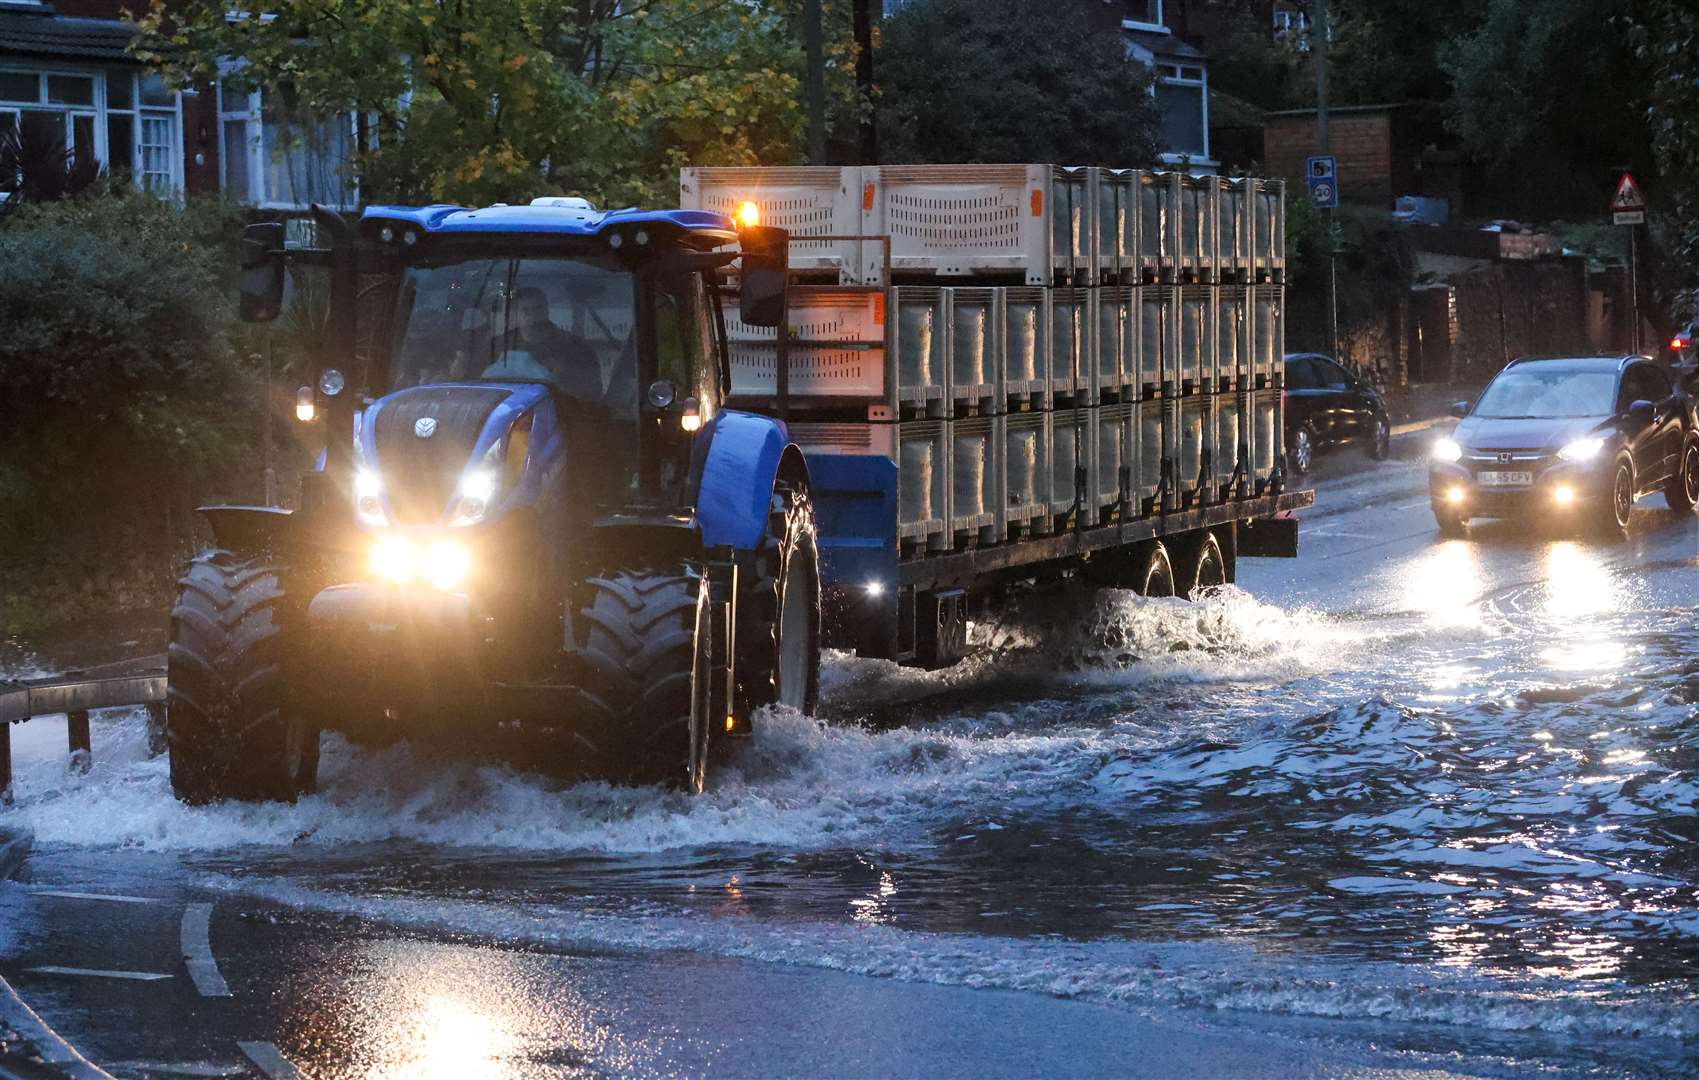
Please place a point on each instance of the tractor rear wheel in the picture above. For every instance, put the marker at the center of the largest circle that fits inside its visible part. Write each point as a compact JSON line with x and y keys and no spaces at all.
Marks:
{"x":649,"y":660}
{"x":778,"y":619}
{"x":229,"y":723}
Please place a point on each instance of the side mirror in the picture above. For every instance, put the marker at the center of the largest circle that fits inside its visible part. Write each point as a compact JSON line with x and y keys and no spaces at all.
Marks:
{"x":765,"y":276}
{"x":1460,"y":409}
{"x":1643,"y":410}
{"x":262,"y":271}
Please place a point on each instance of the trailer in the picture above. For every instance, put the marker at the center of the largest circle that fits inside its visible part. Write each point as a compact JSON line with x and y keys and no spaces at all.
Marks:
{"x":602,"y":485}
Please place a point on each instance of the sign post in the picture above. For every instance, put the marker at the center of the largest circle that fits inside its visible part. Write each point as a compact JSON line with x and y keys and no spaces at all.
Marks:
{"x":1321,"y":174}
{"x":1628,"y":209}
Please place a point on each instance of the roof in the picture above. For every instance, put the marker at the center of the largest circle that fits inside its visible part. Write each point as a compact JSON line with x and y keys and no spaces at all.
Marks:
{"x":561,"y":219}
{"x":65,"y":36}
{"x":1338,"y":109}
{"x":1167,"y":45}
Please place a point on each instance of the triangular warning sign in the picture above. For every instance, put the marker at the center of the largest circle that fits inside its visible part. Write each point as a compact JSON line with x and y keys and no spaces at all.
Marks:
{"x":1627,"y":195}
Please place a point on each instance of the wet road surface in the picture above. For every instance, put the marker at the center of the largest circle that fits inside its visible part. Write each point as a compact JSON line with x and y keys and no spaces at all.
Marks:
{"x":1400,"y":806}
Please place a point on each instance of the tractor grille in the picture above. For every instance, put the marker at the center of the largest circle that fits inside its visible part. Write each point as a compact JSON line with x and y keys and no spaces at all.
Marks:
{"x":420,"y":474}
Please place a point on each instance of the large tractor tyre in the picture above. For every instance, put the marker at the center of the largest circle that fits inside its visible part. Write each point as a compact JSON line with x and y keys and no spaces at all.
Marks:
{"x":1681,"y":492}
{"x":649,"y":658}
{"x":229,"y":724}
{"x":778,"y":618}
{"x":1197,"y":565}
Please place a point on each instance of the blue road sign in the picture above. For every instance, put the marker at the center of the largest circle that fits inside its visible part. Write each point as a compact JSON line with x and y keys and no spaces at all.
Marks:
{"x":1320,"y":173}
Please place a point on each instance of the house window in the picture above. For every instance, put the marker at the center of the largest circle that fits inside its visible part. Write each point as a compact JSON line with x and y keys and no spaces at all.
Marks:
{"x":277,"y":156}
{"x":1181,"y":91}
{"x":1143,"y":15}
{"x":97,"y":112}
{"x":1293,"y":26}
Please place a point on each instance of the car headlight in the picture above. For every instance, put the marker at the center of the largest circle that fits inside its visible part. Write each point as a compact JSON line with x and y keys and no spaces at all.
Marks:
{"x":1582,"y":449}
{"x":1447,"y":450}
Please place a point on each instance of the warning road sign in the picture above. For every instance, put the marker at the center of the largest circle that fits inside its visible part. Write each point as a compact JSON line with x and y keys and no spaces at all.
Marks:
{"x":1627,"y":199}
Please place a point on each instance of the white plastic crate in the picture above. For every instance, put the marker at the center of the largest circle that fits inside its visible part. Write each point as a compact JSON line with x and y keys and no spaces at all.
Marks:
{"x":976,"y":328}
{"x":1267,"y":437}
{"x":1268,"y":336}
{"x":854,"y":438}
{"x":1025,"y":470}
{"x":1195,"y":339}
{"x":1116,"y":452}
{"x":1268,"y":229}
{"x":1025,"y":359}
{"x":1234,"y":204}
{"x":809,"y":200}
{"x":1027,"y":222}
{"x":1230,"y":446}
{"x":1158,"y":370}
{"x":1195,"y":227}
{"x":1073,"y":369}
{"x":1117,"y":346}
{"x":923,"y":484}
{"x":1149,"y":422}
{"x":1232,"y":337}
{"x":1193,"y":462}
{"x":837,"y":349}
{"x":976,"y":515}
{"x":1157,"y":194}
{"x":917,"y":356}
{"x":1071,"y":450}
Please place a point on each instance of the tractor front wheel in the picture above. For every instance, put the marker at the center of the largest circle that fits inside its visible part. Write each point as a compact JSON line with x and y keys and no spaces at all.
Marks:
{"x":778,"y":622}
{"x":229,"y":723}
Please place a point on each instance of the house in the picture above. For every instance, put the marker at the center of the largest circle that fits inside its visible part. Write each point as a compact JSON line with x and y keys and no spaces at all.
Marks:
{"x":1182,"y":83}
{"x":65,"y":71}
{"x":1379,"y":155}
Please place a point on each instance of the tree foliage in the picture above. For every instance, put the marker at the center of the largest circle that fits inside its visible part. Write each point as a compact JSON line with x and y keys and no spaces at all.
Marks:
{"x":501,"y":99}
{"x":978,"y":80}
{"x":1665,"y":36}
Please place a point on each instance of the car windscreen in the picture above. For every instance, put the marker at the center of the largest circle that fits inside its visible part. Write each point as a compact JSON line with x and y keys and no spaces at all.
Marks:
{"x":1533,"y":392}
{"x":568,"y":321}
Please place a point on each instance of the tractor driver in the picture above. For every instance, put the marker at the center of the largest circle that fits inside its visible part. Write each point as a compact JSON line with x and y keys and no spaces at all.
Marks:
{"x":568,"y":358}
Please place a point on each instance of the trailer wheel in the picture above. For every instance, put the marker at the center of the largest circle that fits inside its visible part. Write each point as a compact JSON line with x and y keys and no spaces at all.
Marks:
{"x":647,"y":649}
{"x":778,"y":622}
{"x":1201,"y":566}
{"x":230,"y":727}
{"x":1158,"y":576}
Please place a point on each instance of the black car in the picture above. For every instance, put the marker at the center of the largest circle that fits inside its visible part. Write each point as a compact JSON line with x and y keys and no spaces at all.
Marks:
{"x":1572,"y":437}
{"x":1326,"y":404}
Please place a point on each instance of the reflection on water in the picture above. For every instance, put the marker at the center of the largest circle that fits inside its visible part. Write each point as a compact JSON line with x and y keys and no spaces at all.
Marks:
{"x":1446,"y":584}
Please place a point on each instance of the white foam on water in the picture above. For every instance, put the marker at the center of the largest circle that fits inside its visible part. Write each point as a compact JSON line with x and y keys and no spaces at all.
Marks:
{"x":1125,"y":973}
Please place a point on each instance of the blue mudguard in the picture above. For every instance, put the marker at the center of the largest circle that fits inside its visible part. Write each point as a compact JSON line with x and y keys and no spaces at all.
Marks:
{"x":743,"y":459}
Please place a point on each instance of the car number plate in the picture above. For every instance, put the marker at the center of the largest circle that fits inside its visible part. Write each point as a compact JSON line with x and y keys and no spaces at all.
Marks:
{"x":1505,"y":479}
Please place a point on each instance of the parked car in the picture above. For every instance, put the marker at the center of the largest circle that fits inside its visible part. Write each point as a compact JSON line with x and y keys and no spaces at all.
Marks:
{"x":1576,"y":438}
{"x":1325,"y":405}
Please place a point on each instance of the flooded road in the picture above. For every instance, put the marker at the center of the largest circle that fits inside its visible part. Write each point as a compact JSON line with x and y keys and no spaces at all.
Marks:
{"x":1400,"y":805}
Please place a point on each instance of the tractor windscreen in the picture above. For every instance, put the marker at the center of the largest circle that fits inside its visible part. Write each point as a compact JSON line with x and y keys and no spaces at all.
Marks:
{"x":569,"y":321}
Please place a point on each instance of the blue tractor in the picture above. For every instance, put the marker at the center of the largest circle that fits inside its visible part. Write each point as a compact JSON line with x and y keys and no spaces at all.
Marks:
{"x":534,"y":520}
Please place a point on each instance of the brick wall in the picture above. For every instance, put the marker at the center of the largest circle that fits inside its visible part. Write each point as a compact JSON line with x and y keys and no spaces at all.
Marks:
{"x":1519,"y":308}
{"x":1362,"y":141}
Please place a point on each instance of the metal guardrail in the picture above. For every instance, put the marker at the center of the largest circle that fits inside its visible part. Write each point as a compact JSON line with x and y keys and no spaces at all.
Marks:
{"x":76,"y":696}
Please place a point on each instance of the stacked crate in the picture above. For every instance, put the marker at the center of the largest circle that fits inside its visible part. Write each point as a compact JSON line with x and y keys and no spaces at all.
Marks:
{"x":1041,"y":348}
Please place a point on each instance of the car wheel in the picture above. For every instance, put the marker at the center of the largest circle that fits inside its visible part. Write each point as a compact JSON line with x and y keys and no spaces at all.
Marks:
{"x":1617,"y":505}
{"x":1302,"y":451}
{"x":1682,"y":490}
{"x":1381,"y":448}
{"x":1452,"y":523}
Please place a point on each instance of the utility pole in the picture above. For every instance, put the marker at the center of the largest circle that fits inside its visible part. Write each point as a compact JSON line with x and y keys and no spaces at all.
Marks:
{"x":1320,"y":38}
{"x":814,"y":81}
{"x":869,"y":128}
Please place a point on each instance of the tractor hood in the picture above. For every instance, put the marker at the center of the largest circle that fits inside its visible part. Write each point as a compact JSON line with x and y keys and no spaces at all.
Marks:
{"x":452,"y":454}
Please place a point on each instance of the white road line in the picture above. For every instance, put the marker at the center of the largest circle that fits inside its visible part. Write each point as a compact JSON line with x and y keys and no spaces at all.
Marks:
{"x":271,"y":1061}
{"x":100,"y":973}
{"x":114,"y":897}
{"x":197,"y":951}
{"x":184,"y":1068}
{"x":46,"y":1042}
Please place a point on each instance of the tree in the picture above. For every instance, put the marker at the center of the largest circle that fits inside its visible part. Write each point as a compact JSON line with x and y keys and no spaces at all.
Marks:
{"x":982,"y":80}
{"x":1665,"y":37}
{"x":502,"y":99}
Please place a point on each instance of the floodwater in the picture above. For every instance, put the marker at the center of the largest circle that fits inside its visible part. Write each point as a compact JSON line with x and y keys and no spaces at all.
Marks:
{"x":1443,"y":795}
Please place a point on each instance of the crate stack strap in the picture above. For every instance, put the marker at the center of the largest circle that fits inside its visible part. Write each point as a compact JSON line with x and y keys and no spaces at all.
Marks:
{"x":1045,"y":347}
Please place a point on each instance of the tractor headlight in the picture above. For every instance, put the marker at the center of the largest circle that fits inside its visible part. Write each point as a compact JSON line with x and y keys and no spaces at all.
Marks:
{"x":368,"y":497}
{"x":447,"y":564}
{"x":394,"y":559}
{"x":444,"y":564}
{"x":1582,"y":449}
{"x":1446,"y":450}
{"x":477,"y":492}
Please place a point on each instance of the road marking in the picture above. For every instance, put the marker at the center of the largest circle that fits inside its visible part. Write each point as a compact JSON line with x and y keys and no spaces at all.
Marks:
{"x":114,"y":897}
{"x":185,"y":1068}
{"x":197,"y":951}
{"x":46,"y":1042}
{"x":271,"y":1061}
{"x":99,"y":973}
